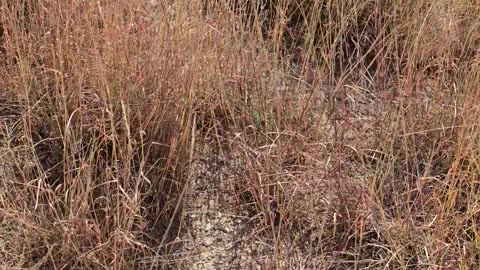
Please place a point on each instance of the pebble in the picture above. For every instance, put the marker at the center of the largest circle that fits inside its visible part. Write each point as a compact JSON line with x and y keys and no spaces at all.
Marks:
{"x":228,"y":229}
{"x":208,"y":226}
{"x":208,"y":241}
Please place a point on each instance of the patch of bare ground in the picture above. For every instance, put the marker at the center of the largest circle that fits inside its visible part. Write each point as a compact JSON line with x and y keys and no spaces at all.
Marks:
{"x":224,"y":228}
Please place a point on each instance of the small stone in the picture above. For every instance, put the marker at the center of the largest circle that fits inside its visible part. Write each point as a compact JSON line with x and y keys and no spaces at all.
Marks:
{"x":211,"y":203}
{"x":208,"y":241}
{"x":227,"y":229}
{"x":208,"y":226}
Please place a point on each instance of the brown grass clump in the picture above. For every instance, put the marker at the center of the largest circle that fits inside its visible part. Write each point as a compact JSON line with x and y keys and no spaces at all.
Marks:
{"x":354,"y":124}
{"x":96,"y":104}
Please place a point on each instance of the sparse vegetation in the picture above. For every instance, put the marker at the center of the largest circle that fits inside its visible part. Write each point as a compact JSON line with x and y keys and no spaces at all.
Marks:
{"x":353,"y":127}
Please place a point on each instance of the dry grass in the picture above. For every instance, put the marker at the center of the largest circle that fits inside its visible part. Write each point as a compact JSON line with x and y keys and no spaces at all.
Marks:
{"x":357,"y":120}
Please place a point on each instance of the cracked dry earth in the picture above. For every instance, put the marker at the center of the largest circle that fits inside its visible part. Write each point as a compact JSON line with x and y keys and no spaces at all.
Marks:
{"x":219,"y":234}
{"x":215,"y":236}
